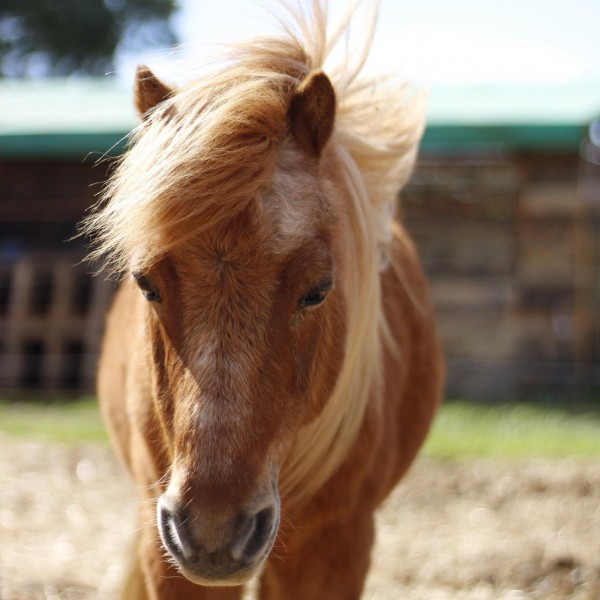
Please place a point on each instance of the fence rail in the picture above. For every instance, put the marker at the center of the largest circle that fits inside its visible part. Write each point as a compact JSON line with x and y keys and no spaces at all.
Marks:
{"x":51,"y":319}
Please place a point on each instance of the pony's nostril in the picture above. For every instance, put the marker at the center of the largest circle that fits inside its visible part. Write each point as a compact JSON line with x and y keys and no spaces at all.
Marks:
{"x":257,"y":537}
{"x":253,"y":534}
{"x":170,"y":527}
{"x":245,"y":531}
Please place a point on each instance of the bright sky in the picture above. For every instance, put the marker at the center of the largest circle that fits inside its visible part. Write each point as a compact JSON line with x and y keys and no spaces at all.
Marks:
{"x":436,"y":41}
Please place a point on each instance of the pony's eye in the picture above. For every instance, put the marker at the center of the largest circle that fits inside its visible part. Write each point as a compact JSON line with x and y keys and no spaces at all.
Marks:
{"x":149,"y":290}
{"x":316,"y":295}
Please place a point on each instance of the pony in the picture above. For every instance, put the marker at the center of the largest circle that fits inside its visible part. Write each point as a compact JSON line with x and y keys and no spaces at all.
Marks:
{"x":270,"y":365}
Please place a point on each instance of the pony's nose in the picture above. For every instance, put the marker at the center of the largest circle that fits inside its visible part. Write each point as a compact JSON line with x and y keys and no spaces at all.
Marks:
{"x":217,"y":550}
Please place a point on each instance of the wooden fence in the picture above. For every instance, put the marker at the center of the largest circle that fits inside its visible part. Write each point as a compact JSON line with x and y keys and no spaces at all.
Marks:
{"x":51,"y":318}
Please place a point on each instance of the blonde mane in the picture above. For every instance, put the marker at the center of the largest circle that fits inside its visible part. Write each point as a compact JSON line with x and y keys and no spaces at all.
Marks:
{"x":157,"y":198}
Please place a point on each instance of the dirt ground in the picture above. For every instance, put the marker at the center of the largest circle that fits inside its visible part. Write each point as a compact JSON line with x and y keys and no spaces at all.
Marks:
{"x":471,"y":530}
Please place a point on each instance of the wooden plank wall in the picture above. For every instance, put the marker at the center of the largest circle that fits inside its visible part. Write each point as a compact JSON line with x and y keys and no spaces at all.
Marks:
{"x":510,"y":246}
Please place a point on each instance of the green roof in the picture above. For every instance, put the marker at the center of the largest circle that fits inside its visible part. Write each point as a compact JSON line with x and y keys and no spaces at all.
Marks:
{"x":63,"y":117}
{"x":512,"y":116}
{"x":74,"y":117}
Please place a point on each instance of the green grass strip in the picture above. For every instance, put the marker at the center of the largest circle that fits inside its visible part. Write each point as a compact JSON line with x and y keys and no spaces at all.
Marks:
{"x":463,"y":430}
{"x":65,"y":421}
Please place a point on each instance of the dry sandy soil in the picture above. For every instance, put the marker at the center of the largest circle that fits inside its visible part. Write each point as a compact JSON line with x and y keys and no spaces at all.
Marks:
{"x":473,"y":530}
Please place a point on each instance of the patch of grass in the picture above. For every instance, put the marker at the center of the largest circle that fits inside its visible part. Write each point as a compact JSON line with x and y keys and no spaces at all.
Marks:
{"x":464,"y":430}
{"x":58,"y":421}
{"x":461,"y":429}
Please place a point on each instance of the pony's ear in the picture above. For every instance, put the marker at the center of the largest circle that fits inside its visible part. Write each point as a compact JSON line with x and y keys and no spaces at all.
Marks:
{"x":148,"y":91}
{"x":312,"y":112}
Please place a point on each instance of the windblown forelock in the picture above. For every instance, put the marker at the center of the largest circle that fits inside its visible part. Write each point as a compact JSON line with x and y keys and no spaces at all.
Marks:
{"x":196,"y":162}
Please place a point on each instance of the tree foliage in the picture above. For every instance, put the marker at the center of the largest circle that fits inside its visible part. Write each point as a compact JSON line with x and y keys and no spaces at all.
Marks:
{"x":63,"y":37}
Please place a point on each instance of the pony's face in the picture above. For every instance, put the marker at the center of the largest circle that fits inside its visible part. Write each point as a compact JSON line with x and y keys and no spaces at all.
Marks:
{"x":248,"y":334}
{"x":247,"y":322}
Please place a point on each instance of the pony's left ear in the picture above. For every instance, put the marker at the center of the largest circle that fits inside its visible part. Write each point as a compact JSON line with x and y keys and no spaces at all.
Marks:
{"x":312,"y":112}
{"x":148,"y":91}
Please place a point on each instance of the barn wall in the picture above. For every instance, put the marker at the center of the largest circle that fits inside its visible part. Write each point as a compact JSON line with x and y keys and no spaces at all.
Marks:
{"x":509,"y":244}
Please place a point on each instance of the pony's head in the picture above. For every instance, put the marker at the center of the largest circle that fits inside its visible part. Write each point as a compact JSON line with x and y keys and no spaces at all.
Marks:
{"x":248,"y":324}
{"x":253,"y":213}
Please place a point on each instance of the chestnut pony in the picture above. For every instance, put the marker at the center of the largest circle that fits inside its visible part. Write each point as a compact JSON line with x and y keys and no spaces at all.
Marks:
{"x":270,"y":365}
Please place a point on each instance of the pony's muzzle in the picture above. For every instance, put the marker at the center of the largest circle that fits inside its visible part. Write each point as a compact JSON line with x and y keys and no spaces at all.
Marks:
{"x":218,"y":553}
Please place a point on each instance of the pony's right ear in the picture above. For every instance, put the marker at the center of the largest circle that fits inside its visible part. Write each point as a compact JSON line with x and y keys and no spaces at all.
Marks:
{"x":148,"y":91}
